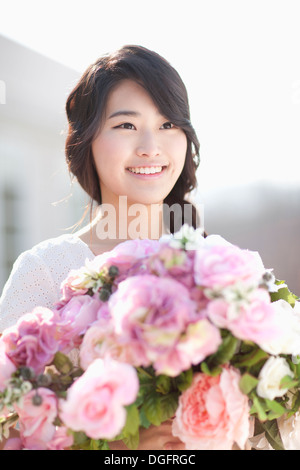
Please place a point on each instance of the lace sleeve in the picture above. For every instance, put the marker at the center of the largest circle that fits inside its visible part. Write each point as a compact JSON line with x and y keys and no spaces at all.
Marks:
{"x":30,"y":284}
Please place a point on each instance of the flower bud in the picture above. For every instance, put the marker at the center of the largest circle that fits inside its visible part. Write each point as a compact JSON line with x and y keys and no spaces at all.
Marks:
{"x":268,"y":277}
{"x":37,"y":400}
{"x":104,"y":293}
{"x":44,"y":380}
{"x":113,"y":271}
{"x":27,"y":373}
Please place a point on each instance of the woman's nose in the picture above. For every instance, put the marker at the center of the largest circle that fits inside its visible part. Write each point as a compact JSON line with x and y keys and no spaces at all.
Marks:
{"x":148,"y":145}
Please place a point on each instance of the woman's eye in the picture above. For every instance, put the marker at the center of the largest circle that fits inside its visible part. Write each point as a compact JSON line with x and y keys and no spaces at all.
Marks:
{"x":167,"y":125}
{"x":126,"y":125}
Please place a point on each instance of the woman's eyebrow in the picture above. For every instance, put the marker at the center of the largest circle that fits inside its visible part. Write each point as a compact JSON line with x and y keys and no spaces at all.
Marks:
{"x":124,"y":113}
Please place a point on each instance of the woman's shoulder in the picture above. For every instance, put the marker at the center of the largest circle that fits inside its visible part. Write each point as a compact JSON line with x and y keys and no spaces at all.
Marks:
{"x":66,"y":245}
{"x":37,"y":274}
{"x":54,"y":256}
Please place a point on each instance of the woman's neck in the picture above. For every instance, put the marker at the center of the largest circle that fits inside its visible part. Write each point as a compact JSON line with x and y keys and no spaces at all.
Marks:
{"x":116,"y":223}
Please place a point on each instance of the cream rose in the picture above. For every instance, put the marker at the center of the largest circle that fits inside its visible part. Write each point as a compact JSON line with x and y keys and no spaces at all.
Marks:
{"x":270,"y":377}
{"x":288,"y":321}
{"x":290,"y":431}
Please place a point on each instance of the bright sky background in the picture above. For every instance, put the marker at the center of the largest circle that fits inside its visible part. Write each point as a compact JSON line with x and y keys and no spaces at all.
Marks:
{"x":240,"y":61}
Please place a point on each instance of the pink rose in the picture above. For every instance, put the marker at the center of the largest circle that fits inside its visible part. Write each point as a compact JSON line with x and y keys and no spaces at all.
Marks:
{"x":36,"y":421}
{"x":213,"y":414}
{"x":61,"y":440}
{"x":252,"y":320}
{"x":199,"y":341}
{"x":14,"y":443}
{"x":124,"y":255}
{"x":33,"y":341}
{"x":7,"y":367}
{"x":225,"y":264}
{"x":172,"y":262}
{"x":75,"y":318}
{"x":151,"y":317}
{"x":95,"y":402}
{"x":98,"y":338}
{"x":72,"y":285}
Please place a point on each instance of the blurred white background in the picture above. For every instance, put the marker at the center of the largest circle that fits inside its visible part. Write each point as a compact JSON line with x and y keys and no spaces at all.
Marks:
{"x":240,"y":61}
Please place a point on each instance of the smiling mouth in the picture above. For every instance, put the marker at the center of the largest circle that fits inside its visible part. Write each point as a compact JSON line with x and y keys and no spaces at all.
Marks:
{"x":147,"y":170}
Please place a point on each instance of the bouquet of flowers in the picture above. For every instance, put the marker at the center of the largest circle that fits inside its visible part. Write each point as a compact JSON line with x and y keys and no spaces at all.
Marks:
{"x":189,"y":328}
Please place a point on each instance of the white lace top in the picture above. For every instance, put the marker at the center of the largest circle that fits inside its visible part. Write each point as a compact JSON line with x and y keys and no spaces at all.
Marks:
{"x":37,"y":275}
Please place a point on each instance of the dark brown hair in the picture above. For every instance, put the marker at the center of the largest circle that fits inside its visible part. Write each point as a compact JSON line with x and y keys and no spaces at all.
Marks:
{"x":86,"y":105}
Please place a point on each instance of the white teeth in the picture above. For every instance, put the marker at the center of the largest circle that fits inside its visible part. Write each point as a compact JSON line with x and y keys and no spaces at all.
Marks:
{"x":146,"y":170}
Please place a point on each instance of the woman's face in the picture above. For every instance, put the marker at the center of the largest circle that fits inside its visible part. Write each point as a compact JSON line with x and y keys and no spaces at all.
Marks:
{"x":138,"y":153}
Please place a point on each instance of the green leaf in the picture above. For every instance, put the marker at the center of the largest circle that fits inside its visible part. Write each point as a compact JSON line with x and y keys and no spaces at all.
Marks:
{"x":169,"y":405}
{"x":65,"y":380}
{"x":80,"y":440}
{"x":247,"y":383}
{"x":284,"y":293}
{"x":62,"y":363}
{"x":163,"y":384}
{"x":13,"y":417}
{"x":98,"y":444}
{"x":104,"y":446}
{"x":225,"y":351}
{"x":184,"y":380}
{"x":251,"y":359}
{"x":130,"y":434}
{"x":144,"y":374}
{"x":276,"y":409}
{"x":77,"y":372}
{"x":288,"y":382}
{"x":132,"y":421}
{"x":144,"y":422}
{"x":296,"y":363}
{"x":5,"y":423}
{"x":272,"y":434}
{"x":132,"y":441}
{"x":258,"y":407}
{"x":266,"y":410}
{"x":296,"y":402}
{"x":152,"y":408}
{"x":212,"y":372}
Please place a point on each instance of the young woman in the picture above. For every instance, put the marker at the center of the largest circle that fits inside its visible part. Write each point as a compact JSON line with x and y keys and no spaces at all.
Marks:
{"x":132,"y":148}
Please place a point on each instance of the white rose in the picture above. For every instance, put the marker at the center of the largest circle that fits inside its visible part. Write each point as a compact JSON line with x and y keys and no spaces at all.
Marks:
{"x":270,"y":377}
{"x":288,"y":320}
{"x":187,"y":237}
